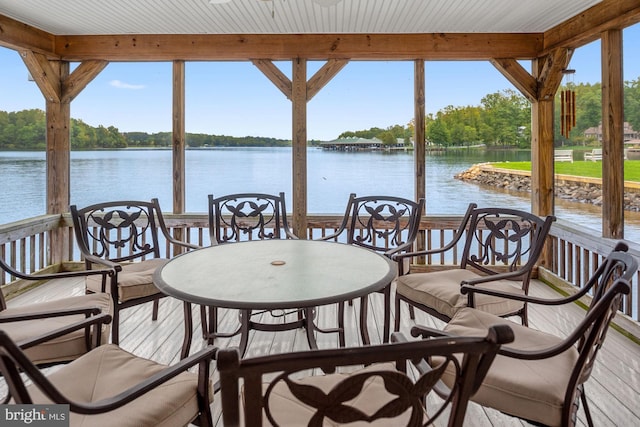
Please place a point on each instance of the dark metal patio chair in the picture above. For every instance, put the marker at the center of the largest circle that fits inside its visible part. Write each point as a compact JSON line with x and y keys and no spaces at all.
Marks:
{"x":541,"y":377}
{"x":277,"y":389}
{"x":384,"y":224}
{"x":123,"y":235}
{"x":239,"y":217}
{"x":501,"y":248}
{"x":109,"y":386}
{"x":27,"y":324}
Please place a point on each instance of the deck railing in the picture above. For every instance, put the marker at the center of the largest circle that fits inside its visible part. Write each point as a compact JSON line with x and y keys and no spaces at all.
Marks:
{"x":575,"y":254}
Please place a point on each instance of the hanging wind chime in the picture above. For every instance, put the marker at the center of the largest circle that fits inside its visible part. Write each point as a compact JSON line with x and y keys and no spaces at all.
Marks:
{"x":567,"y":105}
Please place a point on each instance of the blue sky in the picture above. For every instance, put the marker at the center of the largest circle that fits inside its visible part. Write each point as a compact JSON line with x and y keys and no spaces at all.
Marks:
{"x":234,"y":98}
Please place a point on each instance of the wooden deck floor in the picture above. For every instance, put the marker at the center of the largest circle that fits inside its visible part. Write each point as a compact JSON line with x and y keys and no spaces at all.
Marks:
{"x":613,"y":390}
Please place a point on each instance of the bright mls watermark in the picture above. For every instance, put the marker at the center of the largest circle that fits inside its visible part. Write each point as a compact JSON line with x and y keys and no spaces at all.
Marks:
{"x":34,"y":415}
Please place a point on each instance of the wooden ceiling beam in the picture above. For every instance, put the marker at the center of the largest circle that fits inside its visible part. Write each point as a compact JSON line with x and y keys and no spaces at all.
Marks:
{"x":234,"y":47}
{"x":590,"y":24}
{"x":324,"y":75}
{"x":48,"y":79}
{"x":80,"y":78}
{"x":552,"y":72}
{"x":45,"y":76}
{"x":315,"y":83}
{"x":273,"y":73}
{"x":518,"y":76}
{"x":19,"y":36}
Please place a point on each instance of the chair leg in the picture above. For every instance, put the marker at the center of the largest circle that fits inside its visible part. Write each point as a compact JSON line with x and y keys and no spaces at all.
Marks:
{"x":213,"y":325}
{"x":156,"y":304}
{"x":341,"y":337}
{"x":204,"y":419}
{"x":396,"y":322}
{"x":364,"y":328}
{"x":203,"y":321}
{"x":115,"y":325}
{"x":188,"y":327}
{"x":412,"y":312}
{"x":585,"y":405}
{"x":387,"y":314}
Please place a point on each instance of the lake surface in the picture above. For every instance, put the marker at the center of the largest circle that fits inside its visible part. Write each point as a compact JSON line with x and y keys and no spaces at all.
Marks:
{"x":142,"y":174}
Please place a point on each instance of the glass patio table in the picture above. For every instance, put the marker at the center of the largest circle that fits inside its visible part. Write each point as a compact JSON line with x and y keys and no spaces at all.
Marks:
{"x":275,"y":275}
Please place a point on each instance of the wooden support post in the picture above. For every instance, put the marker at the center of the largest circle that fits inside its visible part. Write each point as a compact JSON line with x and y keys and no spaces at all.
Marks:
{"x":58,"y":116}
{"x":419,"y":129}
{"x":542,"y":167}
{"x":58,"y":174}
{"x":179,"y":137}
{"x":299,"y":147}
{"x":419,"y":140}
{"x":612,"y":136}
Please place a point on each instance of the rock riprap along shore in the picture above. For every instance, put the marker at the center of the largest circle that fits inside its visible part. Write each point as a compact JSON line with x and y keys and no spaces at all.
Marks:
{"x":568,"y":187}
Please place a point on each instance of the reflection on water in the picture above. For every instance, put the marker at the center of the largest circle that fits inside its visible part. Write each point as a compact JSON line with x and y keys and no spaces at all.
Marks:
{"x":331,"y":176}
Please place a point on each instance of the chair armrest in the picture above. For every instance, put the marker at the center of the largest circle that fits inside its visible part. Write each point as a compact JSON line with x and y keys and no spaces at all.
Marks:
{"x":175,"y":241}
{"x":470,"y":290}
{"x":422,"y":365}
{"x":87,"y":311}
{"x":332,"y":235}
{"x":50,"y":276}
{"x":82,"y":324}
{"x":202,"y":358}
{"x":397,"y":256}
{"x":507,"y":275}
{"x":398,"y":337}
{"x":399,"y":249}
{"x":101,"y":261}
{"x":290,"y":234}
{"x":448,"y":246}
{"x":427,"y":332}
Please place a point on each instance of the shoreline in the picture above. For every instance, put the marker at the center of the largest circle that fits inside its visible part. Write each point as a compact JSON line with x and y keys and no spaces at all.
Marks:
{"x":567,"y":187}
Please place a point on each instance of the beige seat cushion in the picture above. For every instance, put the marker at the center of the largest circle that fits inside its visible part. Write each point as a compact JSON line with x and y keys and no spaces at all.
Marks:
{"x":67,"y":347}
{"x":109,"y":370}
{"x":530,"y":389}
{"x":134,"y":281}
{"x":289,"y":411}
{"x":440,"y":290}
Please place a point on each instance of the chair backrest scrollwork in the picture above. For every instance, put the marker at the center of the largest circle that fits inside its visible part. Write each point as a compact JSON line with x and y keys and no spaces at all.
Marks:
{"x":502,"y":237}
{"x":247,"y":216}
{"x":119,"y":230}
{"x":277,"y":391}
{"x":385,"y":224}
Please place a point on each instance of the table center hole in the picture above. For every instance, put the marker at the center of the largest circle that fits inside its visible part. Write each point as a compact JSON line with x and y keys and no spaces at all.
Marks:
{"x":278,"y":262}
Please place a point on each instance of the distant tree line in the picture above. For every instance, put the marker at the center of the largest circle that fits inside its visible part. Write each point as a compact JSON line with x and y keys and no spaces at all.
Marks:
{"x":199,"y":140}
{"x":503,"y":119}
{"x":25,"y":130}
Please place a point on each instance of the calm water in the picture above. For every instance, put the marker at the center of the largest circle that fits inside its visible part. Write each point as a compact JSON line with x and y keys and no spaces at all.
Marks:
{"x":143,"y":174}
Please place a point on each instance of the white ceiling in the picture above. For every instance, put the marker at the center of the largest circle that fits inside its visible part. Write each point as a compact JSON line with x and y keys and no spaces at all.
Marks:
{"x":91,"y":17}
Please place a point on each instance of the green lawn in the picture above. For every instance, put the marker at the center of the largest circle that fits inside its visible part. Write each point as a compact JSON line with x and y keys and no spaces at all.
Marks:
{"x":579,"y":168}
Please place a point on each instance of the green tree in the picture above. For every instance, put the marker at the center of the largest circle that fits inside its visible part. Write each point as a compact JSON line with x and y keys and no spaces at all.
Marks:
{"x":437,"y":132}
{"x":632,"y":103}
{"x":387,"y":138}
{"x":505,"y":112}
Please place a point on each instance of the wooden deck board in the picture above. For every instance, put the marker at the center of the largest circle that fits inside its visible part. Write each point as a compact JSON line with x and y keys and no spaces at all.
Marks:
{"x":613,"y":389}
